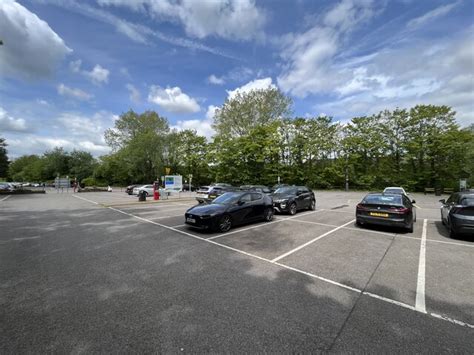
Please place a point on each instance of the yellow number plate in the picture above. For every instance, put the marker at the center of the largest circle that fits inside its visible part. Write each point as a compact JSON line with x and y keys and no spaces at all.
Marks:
{"x":376,"y":214}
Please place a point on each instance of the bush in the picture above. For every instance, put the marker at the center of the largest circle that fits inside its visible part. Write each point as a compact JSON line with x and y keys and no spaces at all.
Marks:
{"x":90,"y":181}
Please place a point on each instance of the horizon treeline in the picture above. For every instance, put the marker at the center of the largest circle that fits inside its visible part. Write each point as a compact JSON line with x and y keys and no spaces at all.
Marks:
{"x":257,"y":140}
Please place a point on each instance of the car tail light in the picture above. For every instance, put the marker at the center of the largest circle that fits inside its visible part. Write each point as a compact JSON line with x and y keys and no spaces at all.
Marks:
{"x":401,"y":210}
{"x":361,"y":207}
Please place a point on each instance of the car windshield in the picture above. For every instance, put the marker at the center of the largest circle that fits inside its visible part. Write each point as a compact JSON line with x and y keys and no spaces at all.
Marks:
{"x":383,"y":199}
{"x":393,"y":191}
{"x":226,"y":199}
{"x":286,"y":190}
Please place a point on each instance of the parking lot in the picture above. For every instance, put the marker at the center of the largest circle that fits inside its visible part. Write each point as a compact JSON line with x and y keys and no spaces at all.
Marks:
{"x":101,"y":272}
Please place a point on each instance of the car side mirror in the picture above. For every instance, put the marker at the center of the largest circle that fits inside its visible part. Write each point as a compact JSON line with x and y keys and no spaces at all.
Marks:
{"x":298,"y":193}
{"x":240,"y":202}
{"x":413,"y":201}
{"x":443,"y":201}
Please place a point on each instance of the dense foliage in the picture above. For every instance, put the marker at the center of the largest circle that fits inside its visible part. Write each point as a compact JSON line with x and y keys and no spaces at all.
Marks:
{"x":257,"y":141}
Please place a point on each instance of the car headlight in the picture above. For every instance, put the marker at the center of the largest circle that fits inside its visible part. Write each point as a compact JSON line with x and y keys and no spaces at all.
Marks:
{"x":206,"y":216}
{"x":281,"y":201}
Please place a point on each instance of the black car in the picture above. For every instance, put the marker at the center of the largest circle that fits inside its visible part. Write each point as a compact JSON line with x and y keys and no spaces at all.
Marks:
{"x":277,"y":186}
{"x":230,"y":209}
{"x":214,"y":192}
{"x":290,"y":199}
{"x":129,"y":189}
{"x":457,"y":213}
{"x":257,"y":188}
{"x":386,"y":209}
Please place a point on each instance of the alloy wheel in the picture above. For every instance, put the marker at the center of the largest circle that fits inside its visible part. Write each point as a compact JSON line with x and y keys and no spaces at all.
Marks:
{"x":293,"y":208}
{"x":225,"y":224}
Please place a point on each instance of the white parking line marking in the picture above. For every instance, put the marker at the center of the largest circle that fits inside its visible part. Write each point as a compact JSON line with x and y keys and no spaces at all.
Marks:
{"x":420,"y":286}
{"x":318,"y":277}
{"x":386,"y":233}
{"x":85,"y":199}
{"x":261,"y":225}
{"x":454,"y":321}
{"x":179,"y":226}
{"x":3,"y":199}
{"x":27,"y":238}
{"x":310,"y":242}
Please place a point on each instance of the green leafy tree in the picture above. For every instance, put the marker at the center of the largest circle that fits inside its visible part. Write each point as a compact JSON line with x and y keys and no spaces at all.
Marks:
{"x":242,"y":113}
{"x":81,"y":164}
{"x":3,"y":159}
{"x":141,"y":141}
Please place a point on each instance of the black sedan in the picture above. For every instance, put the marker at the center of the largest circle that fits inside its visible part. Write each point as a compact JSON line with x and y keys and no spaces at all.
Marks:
{"x":230,"y":209}
{"x":457,"y":213}
{"x":290,"y":199}
{"x":386,"y":209}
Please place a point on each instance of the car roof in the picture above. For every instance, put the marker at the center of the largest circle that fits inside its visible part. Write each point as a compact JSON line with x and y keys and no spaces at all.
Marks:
{"x":466,"y":193}
{"x":394,"y":187}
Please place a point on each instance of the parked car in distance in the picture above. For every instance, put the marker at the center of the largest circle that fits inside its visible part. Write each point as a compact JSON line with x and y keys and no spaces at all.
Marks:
{"x":277,"y":186}
{"x":290,"y":199}
{"x":6,"y":186}
{"x":395,"y":190}
{"x":147,"y":188}
{"x":457,"y":213}
{"x":129,"y":189}
{"x":214,"y":192}
{"x":186,"y":187}
{"x":257,"y":188}
{"x":230,"y":209}
{"x":395,"y":210}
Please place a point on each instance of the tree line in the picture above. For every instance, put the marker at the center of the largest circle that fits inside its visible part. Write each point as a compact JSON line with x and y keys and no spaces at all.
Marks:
{"x":257,"y":141}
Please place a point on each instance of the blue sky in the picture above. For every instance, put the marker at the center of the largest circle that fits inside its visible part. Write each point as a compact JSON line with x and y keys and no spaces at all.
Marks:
{"x":69,"y":68}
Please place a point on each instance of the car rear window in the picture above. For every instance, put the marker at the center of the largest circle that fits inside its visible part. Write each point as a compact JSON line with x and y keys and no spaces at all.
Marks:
{"x":383,"y":199}
{"x":393,"y":191}
{"x":467,"y":201}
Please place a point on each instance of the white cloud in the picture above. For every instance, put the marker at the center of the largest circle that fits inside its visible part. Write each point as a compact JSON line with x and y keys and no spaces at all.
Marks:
{"x":257,"y":84}
{"x":202,"y":127}
{"x":172,"y":99}
{"x":309,"y":56}
{"x":74,"y":93}
{"x":215,"y":80}
{"x":431,"y":15}
{"x":31,"y":49}
{"x":75,"y":66}
{"x":211,"y":111}
{"x":98,"y":75}
{"x":230,"y":19}
{"x":134,"y":93}
{"x":11,"y":124}
{"x":417,"y":74}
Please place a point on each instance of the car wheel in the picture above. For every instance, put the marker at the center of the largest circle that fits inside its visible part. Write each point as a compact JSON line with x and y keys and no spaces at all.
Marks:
{"x":452,"y":231}
{"x":292,"y":209}
{"x":410,"y":228}
{"x":225,"y":223}
{"x":268,"y":214}
{"x":358,"y":222}
{"x":312,"y":205}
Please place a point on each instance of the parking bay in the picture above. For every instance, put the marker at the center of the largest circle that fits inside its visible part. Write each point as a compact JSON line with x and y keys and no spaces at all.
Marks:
{"x":384,"y":261}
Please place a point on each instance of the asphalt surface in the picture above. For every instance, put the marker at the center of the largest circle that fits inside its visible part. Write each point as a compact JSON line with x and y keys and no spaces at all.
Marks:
{"x":78,"y":277}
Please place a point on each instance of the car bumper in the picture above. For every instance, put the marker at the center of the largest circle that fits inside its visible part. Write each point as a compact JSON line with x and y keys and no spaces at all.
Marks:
{"x":463,"y":224}
{"x":203,"y":224}
{"x":281,"y":208}
{"x":382,"y":221}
